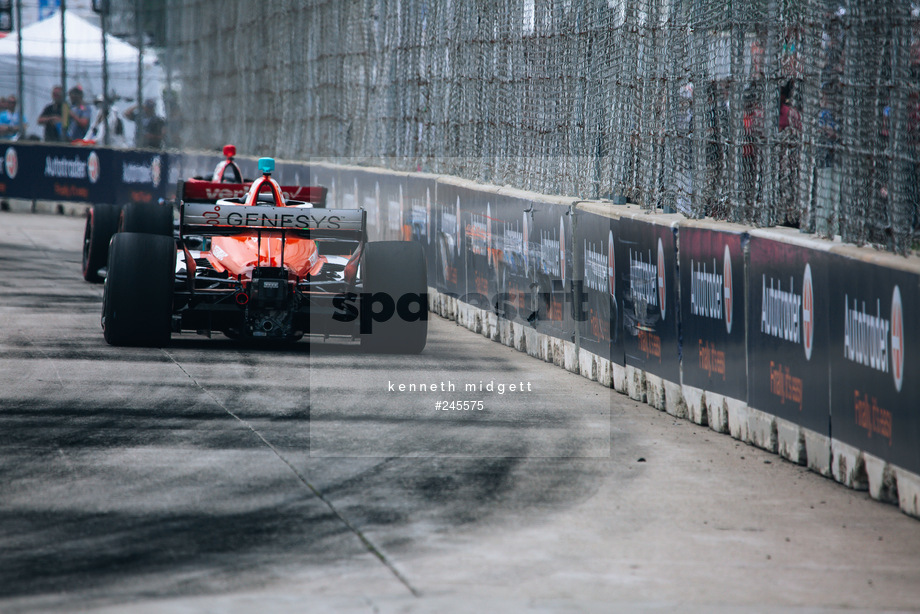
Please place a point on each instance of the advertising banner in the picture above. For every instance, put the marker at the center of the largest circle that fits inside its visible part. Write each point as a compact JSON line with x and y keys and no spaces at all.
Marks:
{"x":476,"y":223}
{"x":649,"y":297}
{"x":18,"y":170}
{"x":85,"y":174}
{"x":712,"y":311}
{"x":788,"y":332}
{"x":553,"y":288}
{"x":600,"y":327}
{"x":75,"y":174}
{"x":419,"y":216}
{"x":356,"y":189}
{"x":499,"y":236}
{"x":286,"y":173}
{"x":142,"y":177}
{"x":328,"y":177}
{"x":392,"y":205}
{"x":448,"y":243}
{"x":875,"y":359}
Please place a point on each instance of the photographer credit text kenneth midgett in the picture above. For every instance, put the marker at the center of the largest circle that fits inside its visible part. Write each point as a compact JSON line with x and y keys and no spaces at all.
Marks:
{"x":450,"y":386}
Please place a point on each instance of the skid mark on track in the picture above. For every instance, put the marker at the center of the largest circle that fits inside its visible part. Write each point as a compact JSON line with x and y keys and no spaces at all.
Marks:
{"x":365,"y":540}
{"x":30,"y":344}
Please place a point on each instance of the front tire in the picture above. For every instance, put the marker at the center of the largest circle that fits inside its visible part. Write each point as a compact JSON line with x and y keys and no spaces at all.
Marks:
{"x":397,"y":269}
{"x":101,"y":224}
{"x":138,"y":298}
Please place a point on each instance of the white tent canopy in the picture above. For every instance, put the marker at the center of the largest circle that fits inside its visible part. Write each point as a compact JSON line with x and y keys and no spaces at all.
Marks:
{"x":41,"y":66}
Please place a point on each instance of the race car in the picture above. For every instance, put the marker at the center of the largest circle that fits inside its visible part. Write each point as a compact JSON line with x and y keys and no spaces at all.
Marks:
{"x":256,"y":261}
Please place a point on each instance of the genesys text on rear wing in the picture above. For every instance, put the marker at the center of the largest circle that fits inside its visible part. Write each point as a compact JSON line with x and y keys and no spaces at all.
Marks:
{"x":229,"y":219}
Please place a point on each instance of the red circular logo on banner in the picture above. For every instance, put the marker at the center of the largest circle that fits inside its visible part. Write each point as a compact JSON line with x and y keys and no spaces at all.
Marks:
{"x":611,"y":265}
{"x":808,"y":312}
{"x":428,"y":215}
{"x":728,"y":297}
{"x":562,"y":249}
{"x":156,"y":171}
{"x":11,"y":161}
{"x":526,"y":242}
{"x":402,"y":208}
{"x":92,"y":167}
{"x":489,"y":233}
{"x":661,"y":285}
{"x":897,"y":339}
{"x":459,"y":236}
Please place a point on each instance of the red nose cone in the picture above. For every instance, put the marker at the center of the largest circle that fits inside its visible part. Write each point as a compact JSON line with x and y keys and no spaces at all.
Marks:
{"x":229,"y":150}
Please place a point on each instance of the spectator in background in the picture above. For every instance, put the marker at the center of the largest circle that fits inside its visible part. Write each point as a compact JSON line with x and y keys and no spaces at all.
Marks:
{"x":752,"y":121}
{"x":174,"y":117}
{"x":107,"y":122}
{"x":789,"y":114}
{"x":827,"y":203}
{"x":78,"y":116}
{"x":787,"y":147}
{"x":151,"y":128}
{"x":913,"y":144}
{"x":52,"y":116}
{"x":9,"y":118}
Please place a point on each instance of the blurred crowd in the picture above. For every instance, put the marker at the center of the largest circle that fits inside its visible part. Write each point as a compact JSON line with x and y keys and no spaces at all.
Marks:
{"x":74,"y":120}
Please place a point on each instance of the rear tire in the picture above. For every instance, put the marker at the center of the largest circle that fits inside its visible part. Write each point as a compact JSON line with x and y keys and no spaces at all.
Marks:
{"x":149,"y":218}
{"x":101,"y":224}
{"x":397,"y":268}
{"x":138,"y":299}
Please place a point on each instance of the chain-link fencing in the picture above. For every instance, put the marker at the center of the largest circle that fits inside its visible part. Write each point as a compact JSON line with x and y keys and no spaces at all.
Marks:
{"x":765,"y":112}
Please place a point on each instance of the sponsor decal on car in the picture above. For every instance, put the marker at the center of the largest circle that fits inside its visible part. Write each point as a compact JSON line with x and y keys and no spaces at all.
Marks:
{"x":243,"y":216}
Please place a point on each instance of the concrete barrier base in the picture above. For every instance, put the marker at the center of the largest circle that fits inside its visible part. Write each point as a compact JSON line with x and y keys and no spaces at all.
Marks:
{"x":593,"y":367}
{"x":655,"y":394}
{"x":674,"y":402}
{"x":883,"y":483}
{"x":908,"y":492}
{"x":620,"y":377}
{"x":636,"y":385}
{"x":790,"y":442}
{"x":818,"y":452}
{"x":752,"y":426}
{"x":695,"y":402}
{"x":848,"y":466}
{"x":718,"y":408}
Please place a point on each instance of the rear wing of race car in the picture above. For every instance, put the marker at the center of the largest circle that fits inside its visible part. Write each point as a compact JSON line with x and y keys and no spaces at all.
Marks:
{"x":231,"y":219}
{"x":199,"y":191}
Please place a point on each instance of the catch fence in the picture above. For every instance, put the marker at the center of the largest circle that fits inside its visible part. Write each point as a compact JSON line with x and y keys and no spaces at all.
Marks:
{"x":764,"y":112}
